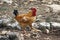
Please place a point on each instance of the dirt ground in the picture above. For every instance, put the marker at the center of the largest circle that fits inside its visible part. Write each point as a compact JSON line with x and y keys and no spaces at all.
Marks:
{"x":55,"y":35}
{"x":41,"y":36}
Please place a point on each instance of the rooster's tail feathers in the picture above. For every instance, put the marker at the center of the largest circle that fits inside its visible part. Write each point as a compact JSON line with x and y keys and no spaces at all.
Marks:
{"x":15,"y":12}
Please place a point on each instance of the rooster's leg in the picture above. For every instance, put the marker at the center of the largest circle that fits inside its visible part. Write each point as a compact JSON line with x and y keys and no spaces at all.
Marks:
{"x":23,"y":30}
{"x":31,"y":27}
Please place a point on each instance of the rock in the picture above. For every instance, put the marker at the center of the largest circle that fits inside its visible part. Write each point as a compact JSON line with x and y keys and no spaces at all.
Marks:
{"x":35,"y":25}
{"x":7,"y":1}
{"x":32,"y":0}
{"x":35,"y":35}
{"x":21,"y":37}
{"x":13,"y":37}
{"x":4,"y":32}
{"x":47,"y":31}
{"x":4,"y":38}
{"x":47,"y":38}
{"x":0,"y":21}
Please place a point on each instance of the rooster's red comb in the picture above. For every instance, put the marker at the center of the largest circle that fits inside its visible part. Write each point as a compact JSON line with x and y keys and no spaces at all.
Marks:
{"x":32,"y":8}
{"x":33,"y":11}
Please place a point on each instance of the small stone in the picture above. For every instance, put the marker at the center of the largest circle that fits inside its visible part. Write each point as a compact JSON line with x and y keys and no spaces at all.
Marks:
{"x":21,"y":37}
{"x":4,"y":32}
{"x":47,"y":31}
{"x":28,"y":35}
{"x":47,"y":38}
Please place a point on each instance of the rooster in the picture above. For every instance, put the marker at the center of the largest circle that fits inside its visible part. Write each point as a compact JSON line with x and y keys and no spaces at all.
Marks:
{"x":26,"y":19}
